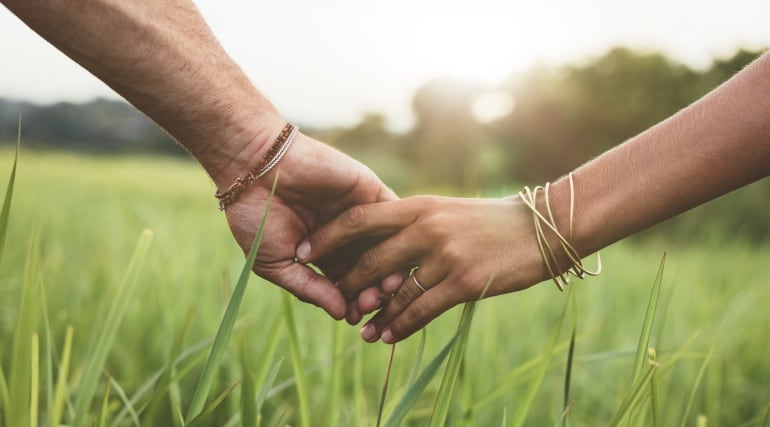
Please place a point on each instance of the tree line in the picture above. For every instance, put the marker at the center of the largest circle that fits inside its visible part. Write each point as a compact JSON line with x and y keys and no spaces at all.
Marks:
{"x":561,"y":116}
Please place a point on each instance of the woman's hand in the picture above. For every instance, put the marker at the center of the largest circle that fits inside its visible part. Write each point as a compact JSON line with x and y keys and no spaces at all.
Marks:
{"x":459,"y":245}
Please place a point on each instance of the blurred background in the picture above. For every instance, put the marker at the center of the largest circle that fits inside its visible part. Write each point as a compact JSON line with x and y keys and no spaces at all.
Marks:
{"x":449,"y":97}
{"x":455,"y":98}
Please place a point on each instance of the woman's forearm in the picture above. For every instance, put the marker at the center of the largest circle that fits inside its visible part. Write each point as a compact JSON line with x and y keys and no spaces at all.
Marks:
{"x":717,"y":144}
{"x":162,"y":57}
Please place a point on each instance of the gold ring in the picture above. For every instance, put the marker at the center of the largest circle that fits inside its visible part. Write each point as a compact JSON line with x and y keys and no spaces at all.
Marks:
{"x":414,"y":278}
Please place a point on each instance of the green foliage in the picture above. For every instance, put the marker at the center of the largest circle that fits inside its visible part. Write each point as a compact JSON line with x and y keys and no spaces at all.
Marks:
{"x":87,"y":229}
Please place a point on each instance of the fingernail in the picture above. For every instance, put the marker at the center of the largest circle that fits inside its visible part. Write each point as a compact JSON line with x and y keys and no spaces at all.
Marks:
{"x":368,"y":333}
{"x":303,"y":251}
{"x":387,"y":337}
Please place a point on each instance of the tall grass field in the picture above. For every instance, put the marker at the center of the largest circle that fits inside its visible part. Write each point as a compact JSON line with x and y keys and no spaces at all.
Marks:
{"x":117,"y":273}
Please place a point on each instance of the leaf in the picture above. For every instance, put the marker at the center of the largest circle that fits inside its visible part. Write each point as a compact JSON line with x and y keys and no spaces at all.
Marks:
{"x":266,"y":385}
{"x":34,"y":380}
{"x":26,"y":325}
{"x":644,"y":339}
{"x":385,"y":384}
{"x":335,"y":375}
{"x":296,"y":363}
{"x":206,"y":412}
{"x":695,"y":387}
{"x":630,"y":401}
{"x":449,"y":380}
{"x":96,"y":361}
{"x":527,"y":401}
{"x":6,"y":211}
{"x":413,"y":393}
{"x":228,"y":320}
{"x":60,"y":392}
{"x":570,"y":359}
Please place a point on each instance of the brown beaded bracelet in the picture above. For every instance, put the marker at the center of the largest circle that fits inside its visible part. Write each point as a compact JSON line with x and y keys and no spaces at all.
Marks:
{"x":273,"y":156}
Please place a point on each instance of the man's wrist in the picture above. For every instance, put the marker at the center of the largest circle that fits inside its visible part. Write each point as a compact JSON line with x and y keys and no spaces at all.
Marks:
{"x":235,"y":157}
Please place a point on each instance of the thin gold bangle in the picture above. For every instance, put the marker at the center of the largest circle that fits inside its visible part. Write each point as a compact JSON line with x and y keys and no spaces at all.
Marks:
{"x":559,"y":276}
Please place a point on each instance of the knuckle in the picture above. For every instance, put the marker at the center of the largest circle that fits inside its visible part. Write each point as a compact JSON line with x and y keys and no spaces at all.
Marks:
{"x":403,"y":297}
{"x":418,"y":314}
{"x":355,"y":217}
{"x":452,"y":252}
{"x":368,"y":264}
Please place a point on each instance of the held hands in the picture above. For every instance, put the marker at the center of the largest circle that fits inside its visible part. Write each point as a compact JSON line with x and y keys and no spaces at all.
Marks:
{"x":316,"y":184}
{"x":458,"y":244}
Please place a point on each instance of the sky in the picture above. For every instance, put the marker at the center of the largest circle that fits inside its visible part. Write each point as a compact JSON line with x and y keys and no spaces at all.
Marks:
{"x":328,"y":62}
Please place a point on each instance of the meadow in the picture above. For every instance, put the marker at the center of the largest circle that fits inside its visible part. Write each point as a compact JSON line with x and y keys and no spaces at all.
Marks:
{"x":75,"y":222}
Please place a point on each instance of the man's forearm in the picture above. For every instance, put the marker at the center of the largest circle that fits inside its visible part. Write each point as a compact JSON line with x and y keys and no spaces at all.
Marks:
{"x":718,"y":144}
{"x":163,"y":58}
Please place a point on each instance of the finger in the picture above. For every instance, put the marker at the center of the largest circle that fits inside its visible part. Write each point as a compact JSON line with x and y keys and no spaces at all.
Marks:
{"x":397,"y":253}
{"x":393,"y":281}
{"x":308,"y":286}
{"x":420,"y":312}
{"x":409,"y":292}
{"x":370,"y":299}
{"x":375,"y":297}
{"x":369,"y":220}
{"x":353,"y":314}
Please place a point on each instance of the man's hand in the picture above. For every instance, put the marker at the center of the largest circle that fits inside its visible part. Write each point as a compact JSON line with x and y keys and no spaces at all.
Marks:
{"x":316,"y":184}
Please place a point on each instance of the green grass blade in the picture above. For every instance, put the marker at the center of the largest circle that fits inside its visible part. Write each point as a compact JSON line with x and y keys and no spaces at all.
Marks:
{"x":413,"y":393}
{"x":272,"y":340}
{"x":228,"y":320}
{"x":644,"y":339}
{"x":60,"y":393}
{"x":105,"y":402}
{"x":630,"y":401}
{"x":124,"y":398}
{"x":206,"y":412}
{"x":654,"y":393}
{"x":449,"y":380}
{"x":248,"y":390}
{"x":418,"y":357}
{"x":695,"y":386}
{"x":517,"y":375}
{"x":34,"y":380}
{"x":335,"y":375}
{"x":359,"y":389}
{"x":526,"y":405}
{"x":384,"y":392}
{"x":763,"y":422}
{"x":19,"y":387}
{"x":267,"y":384}
{"x":98,"y":357}
{"x":452,"y":372}
{"x":49,"y":349}
{"x":296,"y":363}
{"x":570,"y":359}
{"x":6,"y":211}
{"x":4,"y":399}
{"x":164,"y":383}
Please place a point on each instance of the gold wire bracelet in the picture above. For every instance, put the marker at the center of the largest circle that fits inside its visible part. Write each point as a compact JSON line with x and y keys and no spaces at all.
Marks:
{"x":273,"y":156}
{"x":559,"y":275}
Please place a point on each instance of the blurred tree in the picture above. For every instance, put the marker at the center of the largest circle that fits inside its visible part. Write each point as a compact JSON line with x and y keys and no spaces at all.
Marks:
{"x":447,"y":139}
{"x":98,"y":126}
{"x":567,"y":115}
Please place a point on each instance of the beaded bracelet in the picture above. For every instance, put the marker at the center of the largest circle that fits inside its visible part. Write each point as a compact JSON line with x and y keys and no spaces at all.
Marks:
{"x":560,"y":276}
{"x":273,"y":156}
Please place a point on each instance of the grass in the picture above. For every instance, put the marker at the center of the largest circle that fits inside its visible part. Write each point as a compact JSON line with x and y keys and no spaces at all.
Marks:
{"x":73,"y":228}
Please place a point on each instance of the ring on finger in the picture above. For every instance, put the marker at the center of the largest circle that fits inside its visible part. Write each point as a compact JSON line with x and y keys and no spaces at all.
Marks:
{"x":413,"y":276}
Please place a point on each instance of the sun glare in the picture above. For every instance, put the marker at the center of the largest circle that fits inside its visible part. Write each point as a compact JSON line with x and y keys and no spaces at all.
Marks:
{"x":491,"y":106}
{"x":486,"y":42}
